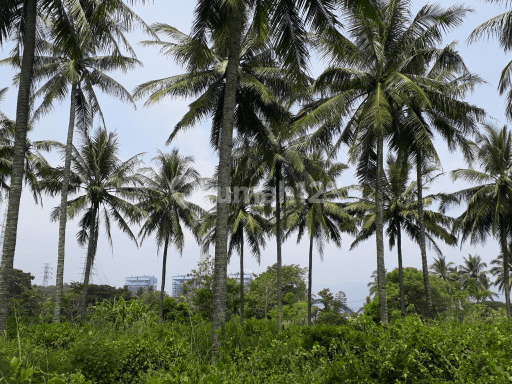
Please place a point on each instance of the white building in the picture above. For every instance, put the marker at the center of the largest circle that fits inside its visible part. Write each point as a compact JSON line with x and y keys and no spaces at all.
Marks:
{"x":179,"y":281}
{"x":135,"y":282}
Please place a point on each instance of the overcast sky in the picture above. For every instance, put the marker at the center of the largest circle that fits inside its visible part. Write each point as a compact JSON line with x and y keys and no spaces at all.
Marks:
{"x":146,"y":130}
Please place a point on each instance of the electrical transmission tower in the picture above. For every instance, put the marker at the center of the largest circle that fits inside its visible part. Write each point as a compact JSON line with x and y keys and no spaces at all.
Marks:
{"x":47,"y":274}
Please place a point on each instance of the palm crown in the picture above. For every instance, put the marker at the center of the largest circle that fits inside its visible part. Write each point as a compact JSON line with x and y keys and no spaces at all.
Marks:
{"x":400,"y":204}
{"x":260,"y":82}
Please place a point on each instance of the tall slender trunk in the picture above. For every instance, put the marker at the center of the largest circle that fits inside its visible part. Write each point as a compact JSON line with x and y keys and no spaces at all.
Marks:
{"x":379,"y":230}
{"x":91,"y":251}
{"x":506,"y":272}
{"x":20,"y":141}
{"x":224,"y":181}
{"x":279,"y":255}
{"x":242,"y":286}
{"x":164,"y":269}
{"x":400,"y":271}
{"x":310,"y":277}
{"x":63,"y":211}
{"x":421,"y":224}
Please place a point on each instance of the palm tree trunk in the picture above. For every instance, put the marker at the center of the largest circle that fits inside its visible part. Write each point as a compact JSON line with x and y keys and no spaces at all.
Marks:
{"x":63,"y":211}
{"x":506,"y":255}
{"x":224,"y":181}
{"x":379,"y":229}
{"x":164,"y":269}
{"x":20,"y":140}
{"x":400,"y":271}
{"x":91,"y":251}
{"x":242,"y":281}
{"x":279,"y":255}
{"x":310,"y":277}
{"x":421,"y":224}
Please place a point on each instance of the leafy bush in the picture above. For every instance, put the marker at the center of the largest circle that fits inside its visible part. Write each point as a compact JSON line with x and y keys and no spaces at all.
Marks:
{"x":53,"y":336}
{"x":122,"y":313}
{"x":176,"y":311}
{"x":411,"y":351}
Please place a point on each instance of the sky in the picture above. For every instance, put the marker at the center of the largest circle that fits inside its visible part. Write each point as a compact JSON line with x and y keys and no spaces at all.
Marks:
{"x":145,"y":130}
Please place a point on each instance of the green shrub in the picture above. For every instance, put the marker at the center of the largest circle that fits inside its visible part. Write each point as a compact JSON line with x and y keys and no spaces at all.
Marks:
{"x":53,"y":336}
{"x":411,"y":351}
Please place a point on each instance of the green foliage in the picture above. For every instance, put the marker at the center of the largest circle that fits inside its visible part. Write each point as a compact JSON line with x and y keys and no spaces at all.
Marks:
{"x":54,"y":336}
{"x":95,"y":294}
{"x":176,"y":310}
{"x":331,"y":317}
{"x":414,"y":295}
{"x":26,"y":301}
{"x":334,"y":308}
{"x":20,"y":373}
{"x":295,"y":313}
{"x":450,"y":299}
{"x":262,"y":295}
{"x":199,"y":291}
{"x":123,"y":314}
{"x":361,"y":351}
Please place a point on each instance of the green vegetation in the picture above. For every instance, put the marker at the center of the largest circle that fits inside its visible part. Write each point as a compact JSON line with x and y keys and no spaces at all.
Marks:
{"x":390,"y":88}
{"x":124,"y":339}
{"x":137,"y":349}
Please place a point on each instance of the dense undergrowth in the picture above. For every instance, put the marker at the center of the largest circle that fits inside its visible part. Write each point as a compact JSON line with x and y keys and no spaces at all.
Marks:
{"x":473,"y":351}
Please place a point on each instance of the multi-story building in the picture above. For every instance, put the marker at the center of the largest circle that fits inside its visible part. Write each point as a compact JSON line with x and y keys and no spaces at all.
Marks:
{"x":179,"y":281}
{"x":135,"y":282}
{"x":248,"y":276}
{"x":177,"y":284}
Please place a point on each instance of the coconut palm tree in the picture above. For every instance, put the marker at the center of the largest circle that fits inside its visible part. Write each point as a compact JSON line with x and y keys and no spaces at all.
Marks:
{"x":473,"y":272}
{"x":400,"y":211}
{"x":444,"y":269}
{"x":277,"y":157}
{"x":282,"y":19}
{"x":15,"y":14}
{"x":448,"y":116}
{"x":317,"y":214}
{"x":500,"y":27}
{"x":372,"y":285}
{"x":3,"y":91}
{"x":103,"y":187}
{"x":498,"y":272}
{"x":34,"y":160}
{"x":18,"y":21}
{"x":75,"y":71}
{"x":257,"y":89}
{"x":260,"y":82}
{"x":164,"y":199}
{"x":374,"y":72}
{"x":4,"y":164}
{"x":247,"y":223}
{"x":489,"y":202}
